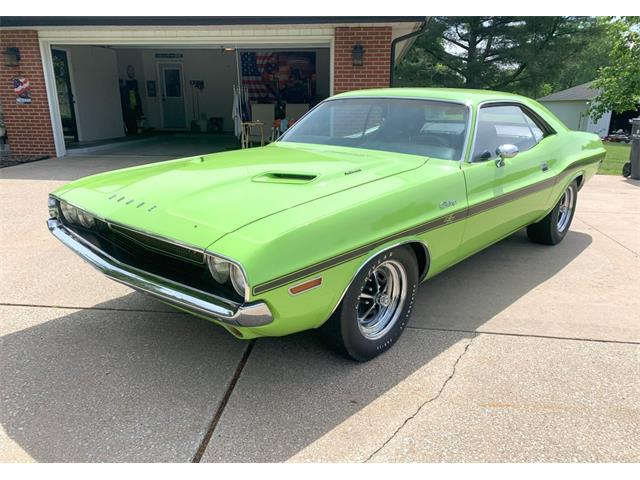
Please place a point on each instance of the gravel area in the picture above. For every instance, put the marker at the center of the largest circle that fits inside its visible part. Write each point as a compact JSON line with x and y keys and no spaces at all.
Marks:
{"x":11,"y":160}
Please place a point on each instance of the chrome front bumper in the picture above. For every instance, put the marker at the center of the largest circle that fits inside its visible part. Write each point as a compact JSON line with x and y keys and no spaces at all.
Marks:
{"x":183,"y":296}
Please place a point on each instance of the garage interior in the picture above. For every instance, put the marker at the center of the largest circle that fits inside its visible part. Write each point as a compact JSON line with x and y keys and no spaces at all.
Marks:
{"x":148,"y":100}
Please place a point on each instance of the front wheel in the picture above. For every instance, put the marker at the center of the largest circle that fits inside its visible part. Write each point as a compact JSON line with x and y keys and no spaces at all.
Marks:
{"x":376,"y":306}
{"x":554,"y":227}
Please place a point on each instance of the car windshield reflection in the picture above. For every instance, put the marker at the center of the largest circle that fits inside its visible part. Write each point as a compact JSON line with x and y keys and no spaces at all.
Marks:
{"x":418,"y":127}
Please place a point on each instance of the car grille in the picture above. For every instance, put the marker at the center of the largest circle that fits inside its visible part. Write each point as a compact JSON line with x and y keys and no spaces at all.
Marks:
{"x":157,"y":245}
{"x":154,"y":255}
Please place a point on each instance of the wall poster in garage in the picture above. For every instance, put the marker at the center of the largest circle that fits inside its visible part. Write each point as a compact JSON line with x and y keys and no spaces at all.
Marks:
{"x":279,"y":77}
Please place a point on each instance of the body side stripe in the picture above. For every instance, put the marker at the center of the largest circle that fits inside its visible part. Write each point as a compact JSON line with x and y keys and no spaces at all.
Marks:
{"x":438,"y":222}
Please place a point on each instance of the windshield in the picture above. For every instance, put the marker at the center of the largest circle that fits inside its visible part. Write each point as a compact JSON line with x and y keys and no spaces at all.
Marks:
{"x":419,"y":127}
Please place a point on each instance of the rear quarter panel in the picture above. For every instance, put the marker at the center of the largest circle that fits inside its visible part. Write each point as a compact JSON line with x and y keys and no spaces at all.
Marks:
{"x":575,"y":155}
{"x":572,"y":154}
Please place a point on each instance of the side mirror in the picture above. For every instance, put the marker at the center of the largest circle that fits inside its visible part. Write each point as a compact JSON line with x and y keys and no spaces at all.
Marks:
{"x":504,"y":151}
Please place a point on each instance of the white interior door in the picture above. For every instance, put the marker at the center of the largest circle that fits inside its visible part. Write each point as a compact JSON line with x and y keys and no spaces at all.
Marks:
{"x":172,"y":95}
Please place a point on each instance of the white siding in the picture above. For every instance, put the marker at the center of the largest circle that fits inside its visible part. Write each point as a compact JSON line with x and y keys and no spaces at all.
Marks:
{"x":570,"y":112}
{"x":575,"y":115}
{"x":601,"y":127}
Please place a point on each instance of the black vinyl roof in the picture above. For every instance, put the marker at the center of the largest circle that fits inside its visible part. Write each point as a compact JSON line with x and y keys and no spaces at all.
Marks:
{"x":190,"y":21}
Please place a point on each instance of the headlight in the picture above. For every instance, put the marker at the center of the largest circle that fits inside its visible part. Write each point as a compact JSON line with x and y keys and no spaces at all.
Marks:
{"x":224,"y":271}
{"x":69,"y":212}
{"x":237,"y":280}
{"x":85,"y":219}
{"x":219,"y":269}
{"x":54,"y":210}
{"x":76,"y":216}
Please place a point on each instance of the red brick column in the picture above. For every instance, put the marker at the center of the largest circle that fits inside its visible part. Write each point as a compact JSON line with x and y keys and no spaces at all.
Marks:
{"x":374,"y":73}
{"x":29,"y":129}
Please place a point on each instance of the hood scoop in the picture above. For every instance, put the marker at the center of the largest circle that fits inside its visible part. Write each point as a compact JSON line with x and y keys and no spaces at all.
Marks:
{"x":285,"y":177}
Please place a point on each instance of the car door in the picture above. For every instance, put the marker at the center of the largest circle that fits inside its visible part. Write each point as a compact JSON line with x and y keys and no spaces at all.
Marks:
{"x":505,"y":194}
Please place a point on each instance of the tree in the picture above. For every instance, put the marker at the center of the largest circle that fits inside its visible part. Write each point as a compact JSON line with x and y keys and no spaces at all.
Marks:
{"x":583,"y":65}
{"x":619,"y":82}
{"x":500,"y":53}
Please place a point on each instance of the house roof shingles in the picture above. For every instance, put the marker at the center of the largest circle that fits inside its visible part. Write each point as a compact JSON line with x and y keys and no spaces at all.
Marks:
{"x":582,"y":92}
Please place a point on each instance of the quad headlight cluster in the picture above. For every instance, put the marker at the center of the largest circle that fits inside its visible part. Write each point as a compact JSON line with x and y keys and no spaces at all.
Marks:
{"x":224,"y":271}
{"x":71,"y":214}
{"x":75,"y":216}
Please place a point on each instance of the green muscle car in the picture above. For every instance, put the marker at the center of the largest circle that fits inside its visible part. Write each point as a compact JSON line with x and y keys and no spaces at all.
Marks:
{"x":334,"y":225}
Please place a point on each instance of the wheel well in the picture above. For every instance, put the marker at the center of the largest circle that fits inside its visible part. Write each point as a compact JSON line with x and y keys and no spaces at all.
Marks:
{"x":422,"y":256}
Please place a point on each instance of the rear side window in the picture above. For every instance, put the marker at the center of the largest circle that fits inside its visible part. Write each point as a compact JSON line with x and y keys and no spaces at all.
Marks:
{"x":538,"y":133}
{"x":505,"y":124}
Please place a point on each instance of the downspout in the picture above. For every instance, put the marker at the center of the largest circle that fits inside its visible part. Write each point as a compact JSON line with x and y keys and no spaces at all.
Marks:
{"x":395,"y":42}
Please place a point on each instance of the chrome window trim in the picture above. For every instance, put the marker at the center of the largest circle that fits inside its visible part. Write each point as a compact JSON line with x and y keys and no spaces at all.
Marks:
{"x":466,"y":104}
{"x":515,"y":103}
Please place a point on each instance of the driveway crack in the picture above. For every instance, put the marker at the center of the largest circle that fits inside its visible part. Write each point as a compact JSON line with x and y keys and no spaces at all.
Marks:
{"x":223,"y":403}
{"x":425,"y":403}
{"x":635,"y":254}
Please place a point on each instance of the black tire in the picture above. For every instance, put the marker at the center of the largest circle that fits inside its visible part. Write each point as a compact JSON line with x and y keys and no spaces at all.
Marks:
{"x":344,"y":332}
{"x":626,"y":170}
{"x":550,"y":230}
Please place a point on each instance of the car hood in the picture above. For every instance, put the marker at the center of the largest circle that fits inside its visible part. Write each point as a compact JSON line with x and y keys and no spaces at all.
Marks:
{"x":199,"y":199}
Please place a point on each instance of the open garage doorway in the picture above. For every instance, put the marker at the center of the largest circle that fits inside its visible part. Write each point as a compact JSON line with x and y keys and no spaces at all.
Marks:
{"x":178,"y":101}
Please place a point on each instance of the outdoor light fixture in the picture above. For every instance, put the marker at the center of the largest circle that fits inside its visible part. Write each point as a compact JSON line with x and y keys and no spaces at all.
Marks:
{"x":11,"y":57}
{"x":228,"y":49}
{"x":357,"y":55}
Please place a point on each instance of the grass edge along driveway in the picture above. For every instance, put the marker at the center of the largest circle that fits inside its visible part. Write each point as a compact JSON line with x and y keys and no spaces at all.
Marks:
{"x":617,"y":156}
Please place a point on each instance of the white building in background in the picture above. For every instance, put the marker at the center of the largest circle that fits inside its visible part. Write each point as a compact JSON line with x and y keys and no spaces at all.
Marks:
{"x":572,"y":107}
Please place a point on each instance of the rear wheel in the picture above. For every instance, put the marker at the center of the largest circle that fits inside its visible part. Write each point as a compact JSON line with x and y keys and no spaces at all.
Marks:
{"x":376,"y":306}
{"x":554,"y":227}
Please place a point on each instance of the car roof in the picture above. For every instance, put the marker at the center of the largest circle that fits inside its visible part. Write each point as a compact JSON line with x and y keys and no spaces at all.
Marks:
{"x":450,"y":94}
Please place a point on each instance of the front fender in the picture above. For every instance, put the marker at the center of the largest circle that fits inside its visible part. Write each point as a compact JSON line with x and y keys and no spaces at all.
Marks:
{"x":310,"y":309}
{"x":334,"y":236}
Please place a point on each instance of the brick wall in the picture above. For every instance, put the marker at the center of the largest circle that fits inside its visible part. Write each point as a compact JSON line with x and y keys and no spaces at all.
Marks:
{"x":374,"y":73}
{"x":28,"y":126}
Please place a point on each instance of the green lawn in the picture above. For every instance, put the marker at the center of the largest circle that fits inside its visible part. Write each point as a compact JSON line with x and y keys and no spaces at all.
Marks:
{"x":617,"y":156}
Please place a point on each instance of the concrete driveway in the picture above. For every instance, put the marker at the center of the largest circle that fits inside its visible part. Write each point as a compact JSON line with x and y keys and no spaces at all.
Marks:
{"x":520,"y":353}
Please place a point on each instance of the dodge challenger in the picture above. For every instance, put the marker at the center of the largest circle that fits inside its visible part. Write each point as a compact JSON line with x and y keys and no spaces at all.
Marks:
{"x":334,"y":225}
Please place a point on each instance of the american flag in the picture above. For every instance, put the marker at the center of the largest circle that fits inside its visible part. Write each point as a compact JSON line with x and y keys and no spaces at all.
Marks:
{"x":257,"y":70}
{"x":21,"y":86}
